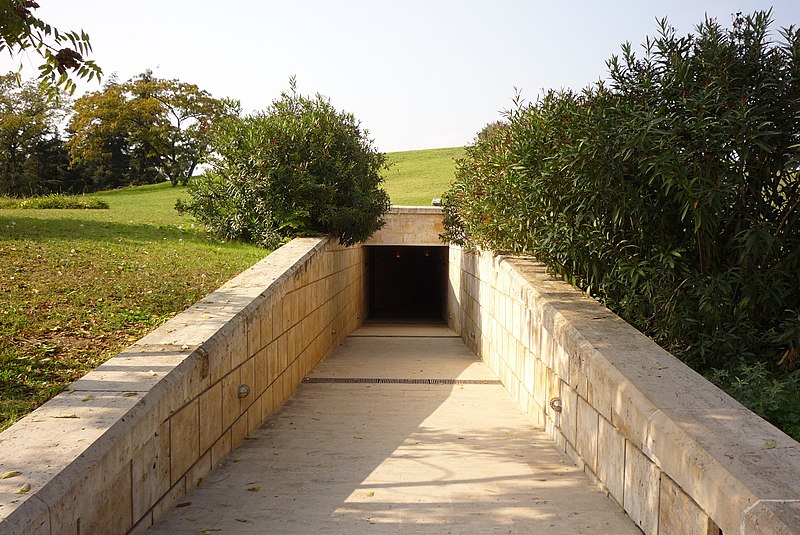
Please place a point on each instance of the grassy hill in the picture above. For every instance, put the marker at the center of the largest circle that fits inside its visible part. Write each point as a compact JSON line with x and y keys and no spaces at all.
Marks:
{"x":417,"y":176}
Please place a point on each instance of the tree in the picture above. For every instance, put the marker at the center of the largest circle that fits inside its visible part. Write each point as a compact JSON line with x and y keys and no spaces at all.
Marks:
{"x":300,"y":167}
{"x":20,"y":30}
{"x":144,"y":130}
{"x":28,"y":134}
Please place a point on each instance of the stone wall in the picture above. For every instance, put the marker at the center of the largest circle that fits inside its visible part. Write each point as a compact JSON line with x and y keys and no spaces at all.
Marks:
{"x":126,"y":441}
{"x":677,"y":453}
{"x":410,"y":225}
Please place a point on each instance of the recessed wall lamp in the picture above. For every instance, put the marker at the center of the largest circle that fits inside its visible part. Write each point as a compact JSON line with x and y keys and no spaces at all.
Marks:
{"x":243,"y":391}
{"x":555,"y":404}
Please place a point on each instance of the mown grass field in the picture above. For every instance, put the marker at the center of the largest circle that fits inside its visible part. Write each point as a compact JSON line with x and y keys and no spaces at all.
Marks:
{"x":417,"y":176}
{"x":77,"y":286}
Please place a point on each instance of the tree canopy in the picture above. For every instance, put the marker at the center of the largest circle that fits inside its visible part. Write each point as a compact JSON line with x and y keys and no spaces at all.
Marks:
{"x":30,"y":148}
{"x":146,"y":128}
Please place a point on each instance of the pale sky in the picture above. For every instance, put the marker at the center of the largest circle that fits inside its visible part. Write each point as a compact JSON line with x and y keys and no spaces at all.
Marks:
{"x":418,"y":74}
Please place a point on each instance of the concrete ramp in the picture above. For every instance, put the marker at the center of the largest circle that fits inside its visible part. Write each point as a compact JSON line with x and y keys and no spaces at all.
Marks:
{"x":401,"y":430}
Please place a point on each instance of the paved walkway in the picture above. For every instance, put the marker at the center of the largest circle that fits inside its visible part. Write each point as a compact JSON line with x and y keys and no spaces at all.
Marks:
{"x":348,"y":454}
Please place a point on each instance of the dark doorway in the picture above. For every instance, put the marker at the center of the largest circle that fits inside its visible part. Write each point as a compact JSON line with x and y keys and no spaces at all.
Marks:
{"x":407,"y":282}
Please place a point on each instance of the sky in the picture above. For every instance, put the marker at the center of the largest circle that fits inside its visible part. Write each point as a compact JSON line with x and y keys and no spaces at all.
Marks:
{"x":417,"y":74}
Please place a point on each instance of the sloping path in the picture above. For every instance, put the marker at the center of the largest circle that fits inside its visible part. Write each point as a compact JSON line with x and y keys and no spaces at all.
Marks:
{"x":440,"y":449}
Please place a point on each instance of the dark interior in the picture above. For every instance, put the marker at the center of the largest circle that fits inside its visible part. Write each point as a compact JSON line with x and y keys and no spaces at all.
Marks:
{"x":407,"y":283}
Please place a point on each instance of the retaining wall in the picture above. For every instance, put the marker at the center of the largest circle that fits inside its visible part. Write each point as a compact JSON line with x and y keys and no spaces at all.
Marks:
{"x":127,"y":440}
{"x":680,"y":455}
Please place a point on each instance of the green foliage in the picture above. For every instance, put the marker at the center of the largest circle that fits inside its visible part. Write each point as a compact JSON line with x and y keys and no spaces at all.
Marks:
{"x":671,"y":194}
{"x":32,"y":157}
{"x":62,"y":202}
{"x":143,"y":131}
{"x":776,"y":399}
{"x":300,"y":167}
{"x":21,"y":31}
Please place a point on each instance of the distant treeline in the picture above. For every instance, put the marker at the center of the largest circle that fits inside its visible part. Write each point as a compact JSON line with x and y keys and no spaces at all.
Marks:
{"x":143,"y":131}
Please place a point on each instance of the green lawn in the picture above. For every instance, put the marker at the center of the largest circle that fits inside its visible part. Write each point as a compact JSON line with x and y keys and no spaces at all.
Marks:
{"x":77,"y":286}
{"x":417,"y":176}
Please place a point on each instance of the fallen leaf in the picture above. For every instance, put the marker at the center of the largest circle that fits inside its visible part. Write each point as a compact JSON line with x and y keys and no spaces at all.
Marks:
{"x":88,"y":398}
{"x":129,"y":394}
{"x":24,"y":488}
{"x":9,"y":475}
{"x":254,"y":488}
{"x":67,"y":416}
{"x":769,"y":445}
{"x":370,"y":494}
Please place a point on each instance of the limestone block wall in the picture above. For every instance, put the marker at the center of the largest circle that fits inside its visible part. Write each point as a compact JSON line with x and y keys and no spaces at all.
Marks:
{"x":410,"y":225}
{"x":677,"y":453}
{"x":126,"y":441}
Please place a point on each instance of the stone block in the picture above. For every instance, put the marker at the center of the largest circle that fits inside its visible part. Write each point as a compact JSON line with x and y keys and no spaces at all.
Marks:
{"x":283,"y":353}
{"x":198,"y":472}
{"x":184,"y":433}
{"x":28,"y":517}
{"x":273,"y":362}
{"x":587,"y":435}
{"x":150,"y":472}
{"x":641,"y":494}
{"x":220,"y":358}
{"x":101,"y":510}
{"x":254,"y":414}
{"x":239,"y":431}
{"x":569,"y":413}
{"x":265,"y":318}
{"x":239,"y":345}
{"x":231,"y":407}
{"x":221,"y":448}
{"x":247,"y":376}
{"x":611,"y":459}
{"x":143,"y":525}
{"x":210,"y":406}
{"x":261,"y":371}
{"x":267,"y":402}
{"x":772,"y":517}
{"x":254,"y":332}
{"x":574,"y":456}
{"x":678,"y":514}
{"x":170,"y":499}
{"x":540,"y":389}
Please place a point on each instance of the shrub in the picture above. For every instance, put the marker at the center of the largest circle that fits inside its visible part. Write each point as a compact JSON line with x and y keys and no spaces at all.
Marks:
{"x":776,"y":399}
{"x":63,"y":202}
{"x":300,"y":167}
{"x":670,"y":193}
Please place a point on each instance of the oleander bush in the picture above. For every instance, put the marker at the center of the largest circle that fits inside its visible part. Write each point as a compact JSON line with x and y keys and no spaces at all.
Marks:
{"x":298,"y":168}
{"x":670,"y":193}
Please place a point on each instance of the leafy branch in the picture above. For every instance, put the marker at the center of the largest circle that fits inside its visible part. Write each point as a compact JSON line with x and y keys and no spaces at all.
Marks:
{"x":61,"y":51}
